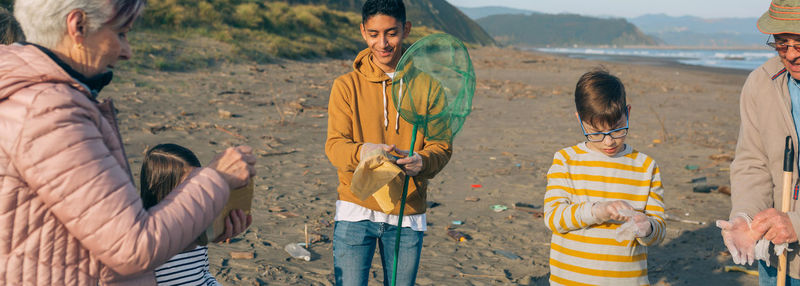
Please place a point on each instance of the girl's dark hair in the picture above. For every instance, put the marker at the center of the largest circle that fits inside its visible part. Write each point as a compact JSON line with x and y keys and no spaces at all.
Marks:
{"x":163,"y":169}
{"x":600,"y":98}
{"x":10,"y":30}
{"x":393,"y":8}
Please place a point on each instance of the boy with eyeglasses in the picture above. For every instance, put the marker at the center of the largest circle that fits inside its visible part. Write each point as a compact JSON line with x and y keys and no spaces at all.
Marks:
{"x":604,"y":199}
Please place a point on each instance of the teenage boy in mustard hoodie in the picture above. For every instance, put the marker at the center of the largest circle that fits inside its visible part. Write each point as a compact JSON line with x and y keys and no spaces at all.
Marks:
{"x":362,"y":118}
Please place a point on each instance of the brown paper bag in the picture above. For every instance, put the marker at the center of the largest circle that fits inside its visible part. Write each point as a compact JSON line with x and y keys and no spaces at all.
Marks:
{"x":379,"y":177}
{"x":242,"y":199}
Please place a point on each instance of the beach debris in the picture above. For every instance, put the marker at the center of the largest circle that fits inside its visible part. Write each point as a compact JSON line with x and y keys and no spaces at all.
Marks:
{"x":672,"y":218}
{"x":724,"y":190}
{"x":297,"y":251}
{"x":656,"y":141}
{"x":698,"y":180}
{"x":529,"y":208}
{"x":691,"y":167}
{"x":305,"y":232}
{"x":325,"y":222}
{"x":704,"y":188}
{"x":286,"y":214}
{"x":509,"y":255}
{"x":457,"y":235}
{"x":737,"y":268}
{"x":231,"y":133}
{"x":721,"y":157}
{"x":277,"y":209}
{"x":457,"y":222}
{"x":525,"y":206}
{"x":266,"y":154}
{"x":492,"y":158}
{"x":475,"y":186}
{"x":472,"y":199}
{"x":224,"y":113}
{"x":498,"y":208}
{"x":242,"y":255}
{"x":465,"y":275}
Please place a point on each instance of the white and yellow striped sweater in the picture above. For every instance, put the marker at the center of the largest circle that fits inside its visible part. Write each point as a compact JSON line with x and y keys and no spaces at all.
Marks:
{"x":582,"y":250}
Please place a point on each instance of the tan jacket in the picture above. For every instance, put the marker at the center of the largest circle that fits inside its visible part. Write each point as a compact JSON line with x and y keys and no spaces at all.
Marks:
{"x":356,"y":116}
{"x":69,"y":211}
{"x":757,"y":170}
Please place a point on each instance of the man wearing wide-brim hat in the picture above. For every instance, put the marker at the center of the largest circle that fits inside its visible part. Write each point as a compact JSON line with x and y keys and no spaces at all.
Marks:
{"x":770,"y":111}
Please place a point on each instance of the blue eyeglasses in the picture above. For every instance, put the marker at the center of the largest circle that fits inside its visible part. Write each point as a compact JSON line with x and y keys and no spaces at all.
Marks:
{"x":599,"y":136}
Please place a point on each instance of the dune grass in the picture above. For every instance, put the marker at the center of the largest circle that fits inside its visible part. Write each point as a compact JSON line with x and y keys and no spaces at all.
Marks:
{"x":184,"y":35}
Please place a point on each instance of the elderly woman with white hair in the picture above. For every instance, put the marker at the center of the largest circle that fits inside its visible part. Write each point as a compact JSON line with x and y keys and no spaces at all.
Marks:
{"x":69,"y":210}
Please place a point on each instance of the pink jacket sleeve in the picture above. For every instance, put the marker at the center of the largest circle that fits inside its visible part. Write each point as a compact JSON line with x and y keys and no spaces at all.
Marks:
{"x":61,"y":154}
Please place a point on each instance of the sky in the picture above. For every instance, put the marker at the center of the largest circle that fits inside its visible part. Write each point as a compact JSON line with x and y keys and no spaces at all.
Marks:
{"x":633,"y":8}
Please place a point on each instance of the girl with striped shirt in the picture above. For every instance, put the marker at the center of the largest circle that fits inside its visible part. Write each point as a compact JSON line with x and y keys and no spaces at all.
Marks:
{"x":165,"y":166}
{"x":604,"y":200}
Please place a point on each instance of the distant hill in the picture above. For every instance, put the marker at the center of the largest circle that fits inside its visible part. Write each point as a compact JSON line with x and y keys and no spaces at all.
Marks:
{"x":436,"y":14}
{"x":695,"y":31}
{"x":563,"y":30}
{"x":480,"y":12}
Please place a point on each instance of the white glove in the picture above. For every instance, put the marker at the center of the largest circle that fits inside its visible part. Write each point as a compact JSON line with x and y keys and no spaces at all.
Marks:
{"x":636,"y":225}
{"x":739,"y":238}
{"x":609,"y":210}
{"x":762,"y":249}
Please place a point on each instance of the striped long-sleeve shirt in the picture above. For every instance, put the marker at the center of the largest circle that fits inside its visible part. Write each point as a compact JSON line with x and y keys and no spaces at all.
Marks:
{"x":584,"y":251}
{"x":186,"y":268}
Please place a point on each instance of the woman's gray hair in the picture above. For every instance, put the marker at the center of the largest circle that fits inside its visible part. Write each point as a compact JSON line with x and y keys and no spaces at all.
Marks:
{"x":44,"y":22}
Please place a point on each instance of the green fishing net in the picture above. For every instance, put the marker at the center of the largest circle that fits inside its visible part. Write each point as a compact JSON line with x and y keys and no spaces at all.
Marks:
{"x":433,"y":86}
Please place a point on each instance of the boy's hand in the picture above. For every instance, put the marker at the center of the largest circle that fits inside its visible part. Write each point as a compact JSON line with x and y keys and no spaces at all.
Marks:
{"x":369,"y":149}
{"x":610,"y":210}
{"x":640,"y":225}
{"x":412,"y":165}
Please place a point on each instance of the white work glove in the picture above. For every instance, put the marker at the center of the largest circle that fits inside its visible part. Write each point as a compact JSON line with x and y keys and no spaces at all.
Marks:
{"x":762,"y":249}
{"x":636,"y":225}
{"x":739,"y":239}
{"x":372,"y":149}
{"x":609,"y":210}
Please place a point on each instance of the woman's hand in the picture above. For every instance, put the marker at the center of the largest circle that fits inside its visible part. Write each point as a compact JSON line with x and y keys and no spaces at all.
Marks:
{"x":236,"y":223}
{"x":236,"y":165}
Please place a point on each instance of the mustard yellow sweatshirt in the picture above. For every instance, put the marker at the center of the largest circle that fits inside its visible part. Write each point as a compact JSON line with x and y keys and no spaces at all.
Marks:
{"x":356,"y":116}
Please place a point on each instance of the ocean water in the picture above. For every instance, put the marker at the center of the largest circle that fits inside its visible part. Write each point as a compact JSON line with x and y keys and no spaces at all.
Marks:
{"x":733,"y":59}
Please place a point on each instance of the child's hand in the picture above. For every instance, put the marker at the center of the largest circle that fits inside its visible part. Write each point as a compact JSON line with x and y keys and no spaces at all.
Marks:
{"x":609,"y":210}
{"x":236,"y":223}
{"x":412,"y":165}
{"x":371,"y":149}
{"x":636,"y":225}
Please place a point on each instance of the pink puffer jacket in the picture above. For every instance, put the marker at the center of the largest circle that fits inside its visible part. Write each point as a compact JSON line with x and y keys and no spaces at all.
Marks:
{"x":69,"y":211}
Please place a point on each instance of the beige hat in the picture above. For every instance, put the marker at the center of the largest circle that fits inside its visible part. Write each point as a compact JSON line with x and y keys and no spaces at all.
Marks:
{"x":783,"y":17}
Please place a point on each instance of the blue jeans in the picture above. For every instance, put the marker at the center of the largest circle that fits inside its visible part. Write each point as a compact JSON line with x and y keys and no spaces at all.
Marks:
{"x":768,"y":276}
{"x":354,"y":245}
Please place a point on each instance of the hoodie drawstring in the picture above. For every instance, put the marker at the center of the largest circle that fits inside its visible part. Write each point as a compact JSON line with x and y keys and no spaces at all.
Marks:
{"x":399,"y":100}
{"x":386,"y":109}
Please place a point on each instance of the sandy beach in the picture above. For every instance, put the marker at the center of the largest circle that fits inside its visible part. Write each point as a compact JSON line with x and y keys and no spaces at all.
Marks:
{"x":685,"y":117}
